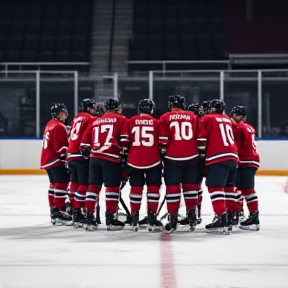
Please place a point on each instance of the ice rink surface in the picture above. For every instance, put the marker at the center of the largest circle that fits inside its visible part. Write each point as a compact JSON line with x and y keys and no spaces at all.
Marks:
{"x":33,"y":253}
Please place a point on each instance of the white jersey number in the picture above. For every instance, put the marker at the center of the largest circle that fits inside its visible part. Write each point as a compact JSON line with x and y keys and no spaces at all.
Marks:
{"x":143,"y":136}
{"x":227,"y":134}
{"x":45,"y":140}
{"x":183,"y":130}
{"x":108,"y":129}
{"x":74,"y":134}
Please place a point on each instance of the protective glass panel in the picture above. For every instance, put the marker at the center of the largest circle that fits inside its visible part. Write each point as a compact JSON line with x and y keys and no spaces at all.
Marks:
{"x":241,"y":88}
{"x":18,"y":104}
{"x":274,"y":107}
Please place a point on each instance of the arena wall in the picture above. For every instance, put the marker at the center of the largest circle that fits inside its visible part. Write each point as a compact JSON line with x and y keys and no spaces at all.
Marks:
{"x":22,"y":156}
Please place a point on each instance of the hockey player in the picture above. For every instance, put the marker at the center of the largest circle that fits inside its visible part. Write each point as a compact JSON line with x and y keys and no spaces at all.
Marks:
{"x":53,"y":156}
{"x":78,"y":165}
{"x":145,"y":162}
{"x":178,"y":134}
{"x":217,"y":142}
{"x":104,"y":140}
{"x":248,"y":165}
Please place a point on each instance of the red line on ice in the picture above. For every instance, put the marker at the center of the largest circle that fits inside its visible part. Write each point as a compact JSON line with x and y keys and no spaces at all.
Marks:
{"x":168,"y":276}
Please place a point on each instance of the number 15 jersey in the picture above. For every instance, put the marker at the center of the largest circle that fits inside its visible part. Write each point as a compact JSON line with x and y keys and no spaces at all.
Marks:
{"x":216,"y":136}
{"x":178,"y":132}
{"x":144,"y":144}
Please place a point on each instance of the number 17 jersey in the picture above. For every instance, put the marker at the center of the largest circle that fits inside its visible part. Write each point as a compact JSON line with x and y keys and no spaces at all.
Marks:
{"x":144,"y":146}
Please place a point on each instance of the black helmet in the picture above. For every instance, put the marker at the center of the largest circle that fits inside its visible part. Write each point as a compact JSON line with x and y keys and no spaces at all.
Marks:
{"x":56,"y":108}
{"x":146,"y":106}
{"x":239,"y":111}
{"x":176,"y":101}
{"x":87,"y":103}
{"x":218,"y":105}
{"x":194,"y":108}
{"x":99,"y":110}
{"x":112,"y":104}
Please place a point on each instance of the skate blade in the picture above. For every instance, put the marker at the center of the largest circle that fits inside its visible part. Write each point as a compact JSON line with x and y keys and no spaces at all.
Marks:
{"x":254,"y":227}
{"x":114,"y":228}
{"x":155,"y":229}
{"x":219,"y":231}
{"x":77,"y":225}
{"x":91,"y":228}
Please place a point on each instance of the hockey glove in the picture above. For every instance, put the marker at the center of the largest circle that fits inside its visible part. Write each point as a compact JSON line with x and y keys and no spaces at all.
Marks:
{"x":85,"y":152}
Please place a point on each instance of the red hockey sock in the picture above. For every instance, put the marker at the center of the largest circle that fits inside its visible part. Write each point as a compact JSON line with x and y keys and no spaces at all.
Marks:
{"x":190,"y":194}
{"x":238,"y":201}
{"x":135,"y":198}
{"x":60,"y":194}
{"x":218,"y":199}
{"x":230,"y":196}
{"x":71,"y":192}
{"x":251,"y":199}
{"x":112,"y":198}
{"x":153,"y":197}
{"x":51,"y":195}
{"x":80,"y":196}
{"x":92,"y":195}
{"x":173,"y":196}
{"x":200,"y":196}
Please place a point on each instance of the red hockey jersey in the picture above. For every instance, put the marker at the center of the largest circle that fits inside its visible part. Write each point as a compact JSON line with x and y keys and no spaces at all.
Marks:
{"x":79,"y":126}
{"x":178,"y":132}
{"x":106,"y":135}
{"x":55,"y":142}
{"x":143,"y":133}
{"x":245,"y":142}
{"x":216,"y":137}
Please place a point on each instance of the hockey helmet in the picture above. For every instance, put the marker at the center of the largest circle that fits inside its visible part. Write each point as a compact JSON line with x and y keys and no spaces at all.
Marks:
{"x":146,"y":106}
{"x":112,"y":104}
{"x":56,"y":108}
{"x":194,"y":108}
{"x":176,"y":101}
{"x":239,"y":111}
{"x":87,"y":103}
{"x":218,"y":105}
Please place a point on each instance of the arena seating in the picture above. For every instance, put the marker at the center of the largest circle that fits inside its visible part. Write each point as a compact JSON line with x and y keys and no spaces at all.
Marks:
{"x":45,"y":31}
{"x":177,"y":30}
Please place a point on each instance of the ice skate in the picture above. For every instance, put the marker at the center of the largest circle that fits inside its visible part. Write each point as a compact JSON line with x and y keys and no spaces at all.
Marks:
{"x":192,"y":219}
{"x":199,"y":218}
{"x":90,"y":222}
{"x":219,"y":225}
{"x":112,"y":223}
{"x":153,"y":223}
{"x":135,"y":221}
{"x":78,"y":218}
{"x":98,"y":220}
{"x":144,"y":222}
{"x":171,"y":226}
{"x":252,"y":223}
{"x":59,"y":217}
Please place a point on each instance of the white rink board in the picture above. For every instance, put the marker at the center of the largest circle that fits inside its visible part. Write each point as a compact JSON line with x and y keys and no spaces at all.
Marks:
{"x":26,"y":154}
{"x":35,"y":254}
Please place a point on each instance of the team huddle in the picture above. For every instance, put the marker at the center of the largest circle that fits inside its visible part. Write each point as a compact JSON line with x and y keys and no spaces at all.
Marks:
{"x":184,"y":146}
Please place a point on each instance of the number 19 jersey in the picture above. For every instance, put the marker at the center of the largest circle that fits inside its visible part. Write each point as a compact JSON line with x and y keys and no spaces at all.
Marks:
{"x":178,"y":132}
{"x":144,"y":142}
{"x":216,"y":136}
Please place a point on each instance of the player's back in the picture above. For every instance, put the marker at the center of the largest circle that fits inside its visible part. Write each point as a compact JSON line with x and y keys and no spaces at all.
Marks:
{"x":79,"y":126}
{"x":178,"y":130}
{"x":106,"y":136}
{"x":216,"y":133}
{"x":143,"y":132}
{"x":55,"y":140}
{"x":246,"y":145}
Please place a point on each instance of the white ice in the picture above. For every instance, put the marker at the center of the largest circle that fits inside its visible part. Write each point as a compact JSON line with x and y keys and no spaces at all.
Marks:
{"x":33,"y":253}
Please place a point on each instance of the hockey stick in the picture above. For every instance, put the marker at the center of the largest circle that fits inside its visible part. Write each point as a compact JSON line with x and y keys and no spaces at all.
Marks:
{"x":161,"y":206}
